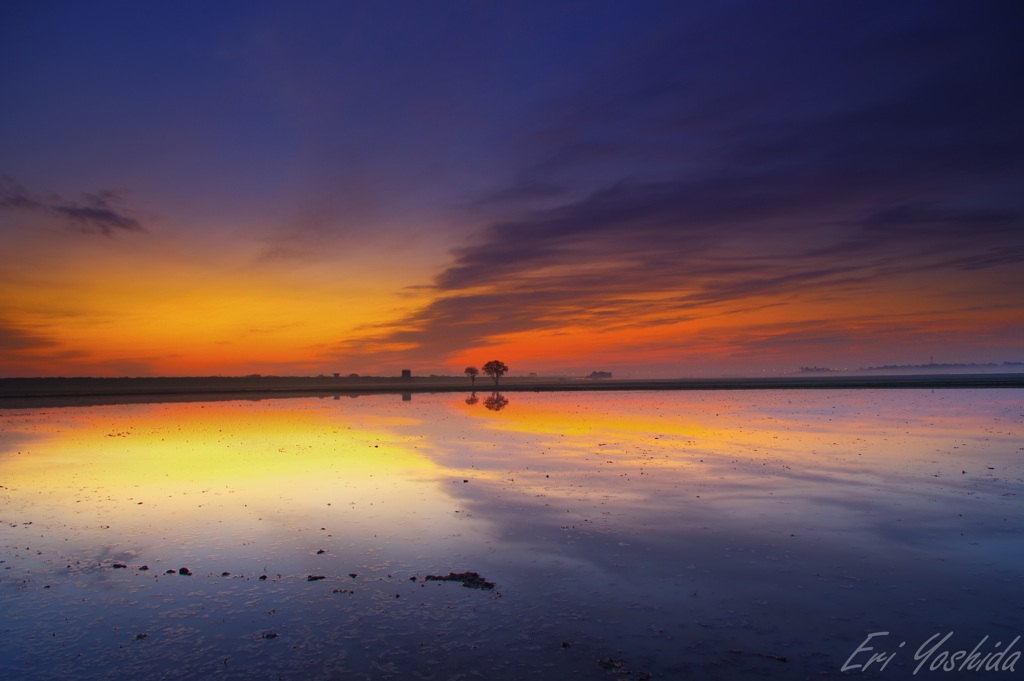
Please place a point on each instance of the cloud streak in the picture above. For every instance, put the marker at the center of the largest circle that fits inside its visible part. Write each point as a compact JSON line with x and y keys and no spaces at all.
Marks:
{"x":760,"y":183}
{"x":98,"y":213}
{"x":14,"y":338}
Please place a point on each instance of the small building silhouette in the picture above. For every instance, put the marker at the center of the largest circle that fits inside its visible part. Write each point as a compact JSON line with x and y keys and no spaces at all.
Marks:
{"x":406,"y":373}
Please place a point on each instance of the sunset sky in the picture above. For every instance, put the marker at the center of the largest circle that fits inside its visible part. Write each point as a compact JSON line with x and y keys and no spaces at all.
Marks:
{"x":650,"y":188}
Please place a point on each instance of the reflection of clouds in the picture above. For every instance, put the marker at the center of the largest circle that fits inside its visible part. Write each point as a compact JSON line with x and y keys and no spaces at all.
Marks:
{"x":560,"y":470}
{"x":709,"y":517}
{"x":716,"y":508}
{"x":666,"y":466}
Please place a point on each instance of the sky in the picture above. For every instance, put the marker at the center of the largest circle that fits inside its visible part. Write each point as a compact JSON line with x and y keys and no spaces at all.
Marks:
{"x":656,"y":189}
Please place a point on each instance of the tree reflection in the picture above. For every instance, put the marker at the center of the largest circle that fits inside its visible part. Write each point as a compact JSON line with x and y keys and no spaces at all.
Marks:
{"x":472,"y":399}
{"x":496,"y":402}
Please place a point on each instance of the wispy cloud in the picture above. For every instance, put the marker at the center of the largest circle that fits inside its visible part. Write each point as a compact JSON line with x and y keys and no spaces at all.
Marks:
{"x":16,"y":338}
{"x":768,"y":175}
{"x":636,"y":253}
{"x":97,"y":213}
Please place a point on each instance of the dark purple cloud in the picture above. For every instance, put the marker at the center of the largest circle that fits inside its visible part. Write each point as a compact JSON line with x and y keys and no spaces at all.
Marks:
{"x":15,"y":338}
{"x":98,"y":213}
{"x":814,"y":147}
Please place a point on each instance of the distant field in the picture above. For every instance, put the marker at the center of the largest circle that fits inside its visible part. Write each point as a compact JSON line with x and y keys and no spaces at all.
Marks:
{"x":16,"y":392}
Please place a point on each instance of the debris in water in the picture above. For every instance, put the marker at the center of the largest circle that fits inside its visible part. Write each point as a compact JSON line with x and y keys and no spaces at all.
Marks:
{"x":470,"y":580}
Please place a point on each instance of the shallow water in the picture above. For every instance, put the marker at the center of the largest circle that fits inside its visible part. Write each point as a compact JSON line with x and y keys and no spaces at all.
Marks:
{"x":703,"y":535}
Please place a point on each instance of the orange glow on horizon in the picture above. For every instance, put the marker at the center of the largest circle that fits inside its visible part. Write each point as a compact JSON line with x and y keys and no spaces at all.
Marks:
{"x":128,"y":307}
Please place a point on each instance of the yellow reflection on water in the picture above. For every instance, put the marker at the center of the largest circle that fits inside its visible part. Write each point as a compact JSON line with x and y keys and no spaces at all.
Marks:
{"x":233,"y":459}
{"x":394,"y":461}
{"x":579,"y":424}
{"x":739,"y":451}
{"x":792,"y":426}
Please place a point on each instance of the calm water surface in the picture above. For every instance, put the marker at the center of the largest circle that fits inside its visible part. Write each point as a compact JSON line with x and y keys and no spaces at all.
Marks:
{"x":662,"y":535}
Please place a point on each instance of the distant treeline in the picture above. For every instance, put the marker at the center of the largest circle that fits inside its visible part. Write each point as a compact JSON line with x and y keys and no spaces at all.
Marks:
{"x":934,"y":365}
{"x":919,"y":367}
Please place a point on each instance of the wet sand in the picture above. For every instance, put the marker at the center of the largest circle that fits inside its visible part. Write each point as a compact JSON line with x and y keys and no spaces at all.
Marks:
{"x":36,"y":392}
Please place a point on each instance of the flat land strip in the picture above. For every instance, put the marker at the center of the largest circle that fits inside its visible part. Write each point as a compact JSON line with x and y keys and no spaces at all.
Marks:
{"x":29,"y":392}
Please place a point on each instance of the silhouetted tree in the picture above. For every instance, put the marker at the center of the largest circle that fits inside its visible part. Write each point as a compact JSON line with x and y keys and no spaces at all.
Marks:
{"x":472,"y":373}
{"x":495,"y":370}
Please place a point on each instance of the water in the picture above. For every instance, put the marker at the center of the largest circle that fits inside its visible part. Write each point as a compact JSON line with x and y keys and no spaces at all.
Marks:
{"x":698,"y":535}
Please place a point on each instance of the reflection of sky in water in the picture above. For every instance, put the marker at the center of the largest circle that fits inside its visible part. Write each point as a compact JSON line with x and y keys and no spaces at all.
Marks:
{"x":667,"y":530}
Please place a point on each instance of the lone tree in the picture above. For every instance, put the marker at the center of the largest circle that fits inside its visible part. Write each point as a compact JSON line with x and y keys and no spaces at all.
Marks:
{"x":495,"y":370}
{"x":472,"y":373}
